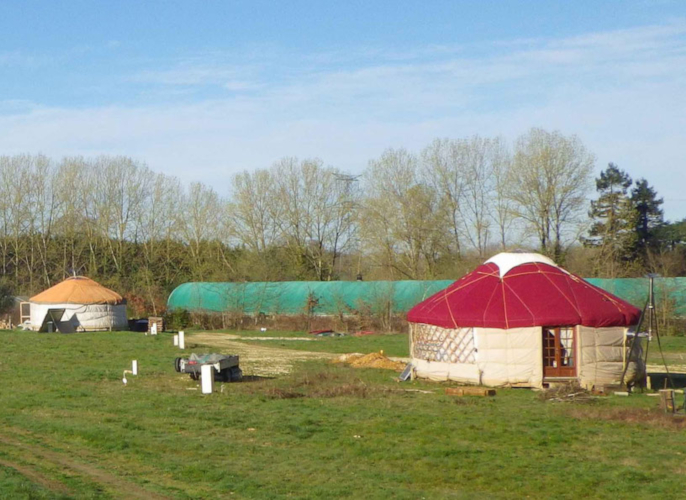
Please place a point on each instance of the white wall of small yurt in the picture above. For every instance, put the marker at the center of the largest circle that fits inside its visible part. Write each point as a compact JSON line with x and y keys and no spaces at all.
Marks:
{"x":83,"y":317}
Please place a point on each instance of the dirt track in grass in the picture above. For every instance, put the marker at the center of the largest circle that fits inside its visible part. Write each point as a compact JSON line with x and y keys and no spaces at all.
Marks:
{"x":116,"y":486}
{"x":259,"y":360}
{"x":36,"y":477}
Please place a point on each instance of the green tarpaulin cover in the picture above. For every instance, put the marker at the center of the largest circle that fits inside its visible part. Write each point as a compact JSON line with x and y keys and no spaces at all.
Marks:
{"x":346,"y":297}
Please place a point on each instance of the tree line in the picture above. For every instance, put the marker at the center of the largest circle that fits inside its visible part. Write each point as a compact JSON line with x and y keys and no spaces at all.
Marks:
{"x":410,"y":215}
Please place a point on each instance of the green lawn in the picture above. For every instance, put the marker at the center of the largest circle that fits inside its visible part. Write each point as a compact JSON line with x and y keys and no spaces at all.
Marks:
{"x":670,"y":344}
{"x":674,"y":349}
{"x":69,"y":428}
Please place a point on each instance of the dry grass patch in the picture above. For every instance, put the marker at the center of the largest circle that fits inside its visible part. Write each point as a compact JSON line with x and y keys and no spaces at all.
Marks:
{"x":637,"y":416}
{"x":568,"y":393}
{"x":317,"y":384}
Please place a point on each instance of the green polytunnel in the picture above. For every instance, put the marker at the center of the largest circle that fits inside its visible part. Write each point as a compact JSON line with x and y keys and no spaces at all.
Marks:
{"x":670,"y":293}
{"x":299,"y":297}
{"x":348,"y":297}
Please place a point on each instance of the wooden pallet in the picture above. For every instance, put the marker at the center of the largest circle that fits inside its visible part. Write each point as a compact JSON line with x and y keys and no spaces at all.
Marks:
{"x":156,"y":320}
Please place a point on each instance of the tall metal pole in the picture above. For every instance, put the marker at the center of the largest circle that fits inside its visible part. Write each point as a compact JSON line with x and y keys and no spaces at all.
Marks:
{"x":651,"y":315}
{"x":651,"y":306}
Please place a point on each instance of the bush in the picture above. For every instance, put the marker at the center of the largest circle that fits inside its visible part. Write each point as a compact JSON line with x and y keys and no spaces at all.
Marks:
{"x":177,"y":319}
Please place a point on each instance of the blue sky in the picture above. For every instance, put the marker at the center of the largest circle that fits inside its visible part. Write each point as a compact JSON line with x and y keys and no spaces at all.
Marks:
{"x":205,"y":89}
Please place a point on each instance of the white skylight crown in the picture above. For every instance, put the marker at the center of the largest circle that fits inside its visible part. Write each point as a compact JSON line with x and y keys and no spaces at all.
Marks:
{"x":506,"y":261}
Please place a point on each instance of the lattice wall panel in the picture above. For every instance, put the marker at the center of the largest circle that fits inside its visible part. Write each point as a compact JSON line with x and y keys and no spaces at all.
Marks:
{"x":434,"y":343}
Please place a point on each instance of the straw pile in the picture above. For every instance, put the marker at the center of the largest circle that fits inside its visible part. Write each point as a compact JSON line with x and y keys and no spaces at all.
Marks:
{"x":372,"y":360}
{"x":347,"y":358}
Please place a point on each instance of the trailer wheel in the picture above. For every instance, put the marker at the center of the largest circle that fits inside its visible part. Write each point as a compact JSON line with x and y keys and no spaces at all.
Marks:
{"x":177,"y":364}
{"x":236,"y":374}
{"x":195,"y":375}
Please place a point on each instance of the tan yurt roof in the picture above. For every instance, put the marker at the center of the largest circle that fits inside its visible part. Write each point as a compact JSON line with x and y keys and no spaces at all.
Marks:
{"x":78,"y":290}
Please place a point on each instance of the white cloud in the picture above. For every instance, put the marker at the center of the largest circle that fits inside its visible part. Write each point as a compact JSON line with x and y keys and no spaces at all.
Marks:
{"x":622,"y":92}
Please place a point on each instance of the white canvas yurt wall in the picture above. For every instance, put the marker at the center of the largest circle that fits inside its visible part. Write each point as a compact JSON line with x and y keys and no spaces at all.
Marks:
{"x":513,"y":357}
{"x":87,"y":306}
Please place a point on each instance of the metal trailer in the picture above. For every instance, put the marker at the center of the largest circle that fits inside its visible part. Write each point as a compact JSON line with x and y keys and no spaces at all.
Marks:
{"x":226,"y":367}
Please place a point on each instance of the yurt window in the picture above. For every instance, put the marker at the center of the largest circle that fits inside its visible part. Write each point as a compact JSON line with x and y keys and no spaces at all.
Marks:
{"x":559,"y":352}
{"x":433,"y":343}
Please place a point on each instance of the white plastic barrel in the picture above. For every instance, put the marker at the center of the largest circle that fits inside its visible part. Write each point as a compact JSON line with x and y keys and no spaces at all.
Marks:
{"x":207,"y":378}
{"x":182,"y":341}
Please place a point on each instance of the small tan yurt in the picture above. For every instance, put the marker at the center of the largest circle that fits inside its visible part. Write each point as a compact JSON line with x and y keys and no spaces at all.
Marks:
{"x":78,"y":304}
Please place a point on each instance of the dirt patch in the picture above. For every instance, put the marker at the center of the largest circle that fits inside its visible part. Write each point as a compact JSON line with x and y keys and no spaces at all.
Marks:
{"x":259,"y":360}
{"x":119,"y":487}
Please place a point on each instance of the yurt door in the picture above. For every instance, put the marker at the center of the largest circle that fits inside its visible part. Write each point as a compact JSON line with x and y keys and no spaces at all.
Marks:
{"x":559,"y":352}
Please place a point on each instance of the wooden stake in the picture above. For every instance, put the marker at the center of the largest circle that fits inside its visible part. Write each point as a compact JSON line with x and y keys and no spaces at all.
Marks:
{"x":667,"y":400}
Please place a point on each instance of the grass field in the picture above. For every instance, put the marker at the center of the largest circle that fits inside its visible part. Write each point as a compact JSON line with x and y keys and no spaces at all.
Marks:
{"x":71,"y":429}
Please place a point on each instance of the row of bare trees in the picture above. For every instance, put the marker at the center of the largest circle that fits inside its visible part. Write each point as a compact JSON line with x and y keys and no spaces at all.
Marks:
{"x":470,"y":196}
{"x":410,"y":215}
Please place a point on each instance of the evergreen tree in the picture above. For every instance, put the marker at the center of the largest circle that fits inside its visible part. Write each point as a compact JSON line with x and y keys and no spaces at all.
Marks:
{"x":672,"y":235}
{"x":649,"y":216}
{"x":612,"y":231}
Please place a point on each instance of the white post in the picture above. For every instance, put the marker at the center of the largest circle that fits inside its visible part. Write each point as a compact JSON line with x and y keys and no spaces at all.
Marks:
{"x":176,"y":340}
{"x":207,"y":378}
{"x":134,"y":367}
{"x":182,"y":341}
{"x":153,"y":329}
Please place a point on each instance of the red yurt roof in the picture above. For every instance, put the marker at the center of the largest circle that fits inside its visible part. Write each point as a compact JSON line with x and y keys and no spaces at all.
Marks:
{"x":514,"y":290}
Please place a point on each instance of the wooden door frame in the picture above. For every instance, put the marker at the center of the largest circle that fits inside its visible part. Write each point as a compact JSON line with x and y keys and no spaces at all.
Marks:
{"x":560,"y":372}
